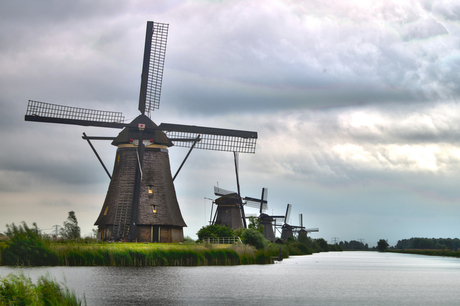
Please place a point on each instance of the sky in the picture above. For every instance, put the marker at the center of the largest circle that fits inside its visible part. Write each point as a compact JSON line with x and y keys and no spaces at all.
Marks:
{"x":355,"y":104}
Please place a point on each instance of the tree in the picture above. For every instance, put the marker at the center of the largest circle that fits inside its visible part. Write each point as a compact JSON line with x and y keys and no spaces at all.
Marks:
{"x":382,"y":245}
{"x":255,"y":238}
{"x":254,"y":223}
{"x":215,"y":231}
{"x":26,"y":247}
{"x":70,"y":229}
{"x":323,"y":244}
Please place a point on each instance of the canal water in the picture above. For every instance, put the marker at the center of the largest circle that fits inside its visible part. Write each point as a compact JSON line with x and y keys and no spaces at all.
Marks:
{"x":334,"y":278}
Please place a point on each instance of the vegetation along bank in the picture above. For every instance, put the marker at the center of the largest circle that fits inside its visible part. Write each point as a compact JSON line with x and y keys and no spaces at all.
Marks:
{"x":26,"y":246}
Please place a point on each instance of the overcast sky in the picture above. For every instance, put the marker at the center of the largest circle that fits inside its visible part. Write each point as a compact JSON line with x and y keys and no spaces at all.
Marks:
{"x":355,"y":103}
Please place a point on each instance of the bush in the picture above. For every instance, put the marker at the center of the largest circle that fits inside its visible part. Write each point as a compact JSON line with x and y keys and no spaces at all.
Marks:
{"x":255,"y":238}
{"x":188,"y":239}
{"x":26,"y":246}
{"x":215,"y":231}
{"x":19,"y":290}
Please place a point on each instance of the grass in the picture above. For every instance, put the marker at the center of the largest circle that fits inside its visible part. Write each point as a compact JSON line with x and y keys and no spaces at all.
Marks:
{"x":142,"y":254}
{"x":19,"y":290}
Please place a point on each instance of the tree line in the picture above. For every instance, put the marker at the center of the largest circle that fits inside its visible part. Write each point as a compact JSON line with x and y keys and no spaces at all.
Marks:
{"x":429,"y":243}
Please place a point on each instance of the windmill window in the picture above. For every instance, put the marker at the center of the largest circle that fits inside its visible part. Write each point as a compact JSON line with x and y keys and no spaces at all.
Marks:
{"x":150,"y":189}
{"x":106,"y":210}
{"x":154,"y":209}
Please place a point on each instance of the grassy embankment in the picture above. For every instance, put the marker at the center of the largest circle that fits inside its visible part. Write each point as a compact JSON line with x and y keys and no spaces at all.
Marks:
{"x":27,"y":247}
{"x":435,"y":252}
{"x":136,"y":254}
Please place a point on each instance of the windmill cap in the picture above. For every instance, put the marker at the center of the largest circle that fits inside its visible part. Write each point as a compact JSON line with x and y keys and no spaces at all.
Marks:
{"x":149,"y":131}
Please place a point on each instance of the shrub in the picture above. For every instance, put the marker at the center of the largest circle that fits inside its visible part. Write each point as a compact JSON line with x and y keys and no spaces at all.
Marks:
{"x":19,"y":290}
{"x":188,"y":239}
{"x":255,"y":238}
{"x":215,"y":231}
{"x":26,"y":246}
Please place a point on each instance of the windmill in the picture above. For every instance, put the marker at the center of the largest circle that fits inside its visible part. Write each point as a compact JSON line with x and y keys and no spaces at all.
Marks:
{"x":230,"y":210}
{"x":230,"y":207}
{"x":141,"y":202}
{"x":304,"y":231}
{"x":266,"y":221}
{"x":286,"y":229}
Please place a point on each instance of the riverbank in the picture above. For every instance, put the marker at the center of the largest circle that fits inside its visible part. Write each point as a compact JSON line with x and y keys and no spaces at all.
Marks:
{"x":445,"y":253}
{"x":142,"y":254}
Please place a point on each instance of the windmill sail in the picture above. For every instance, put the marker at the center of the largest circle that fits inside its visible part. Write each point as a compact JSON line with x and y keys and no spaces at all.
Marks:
{"x":152,"y":68}
{"x":54,"y":113}
{"x":141,"y":203}
{"x":211,"y":138}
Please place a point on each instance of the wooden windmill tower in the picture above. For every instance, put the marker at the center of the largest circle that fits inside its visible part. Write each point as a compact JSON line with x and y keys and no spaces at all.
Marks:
{"x":304,"y":231}
{"x":286,"y":229}
{"x":141,"y":203}
{"x":230,"y":207}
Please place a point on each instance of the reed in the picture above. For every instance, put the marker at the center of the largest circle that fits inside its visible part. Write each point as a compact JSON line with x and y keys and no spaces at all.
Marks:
{"x":20,"y":290}
{"x":141,"y":254}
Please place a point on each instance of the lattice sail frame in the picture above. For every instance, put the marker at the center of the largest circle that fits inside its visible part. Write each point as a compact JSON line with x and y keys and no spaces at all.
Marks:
{"x":213,"y":142}
{"x":48,"y":110}
{"x":156,"y":66}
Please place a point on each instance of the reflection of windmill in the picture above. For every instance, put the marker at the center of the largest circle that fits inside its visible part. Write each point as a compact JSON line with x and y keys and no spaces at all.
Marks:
{"x":141,"y":203}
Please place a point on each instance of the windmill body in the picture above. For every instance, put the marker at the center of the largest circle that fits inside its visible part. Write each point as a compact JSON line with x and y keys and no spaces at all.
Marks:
{"x":229,"y":209}
{"x":158,"y":217}
{"x":141,"y":202}
{"x":267,"y":222}
{"x":288,"y":230}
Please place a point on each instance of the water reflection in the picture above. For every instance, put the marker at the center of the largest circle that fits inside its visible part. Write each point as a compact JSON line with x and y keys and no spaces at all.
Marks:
{"x":347,"y":278}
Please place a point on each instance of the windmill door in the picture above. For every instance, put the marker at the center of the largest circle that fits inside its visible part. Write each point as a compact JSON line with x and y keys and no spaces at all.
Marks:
{"x":155,"y":233}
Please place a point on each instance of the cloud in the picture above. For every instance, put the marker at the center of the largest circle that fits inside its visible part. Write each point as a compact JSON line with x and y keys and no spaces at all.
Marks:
{"x":355,"y":104}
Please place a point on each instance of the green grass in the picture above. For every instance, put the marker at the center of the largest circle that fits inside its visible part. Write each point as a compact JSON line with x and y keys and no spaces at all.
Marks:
{"x":19,"y":290}
{"x":140,"y":254}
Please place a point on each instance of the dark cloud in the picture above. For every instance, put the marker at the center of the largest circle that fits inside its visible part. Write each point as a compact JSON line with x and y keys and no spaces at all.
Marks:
{"x":354,"y":103}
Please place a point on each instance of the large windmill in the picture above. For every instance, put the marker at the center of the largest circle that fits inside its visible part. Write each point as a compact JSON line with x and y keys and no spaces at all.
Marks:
{"x":141,"y":203}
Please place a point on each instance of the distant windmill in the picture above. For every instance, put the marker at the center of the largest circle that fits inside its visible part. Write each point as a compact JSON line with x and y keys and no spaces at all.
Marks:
{"x":286,"y":229}
{"x":266,"y":221}
{"x":305,"y":231}
{"x":230,"y":210}
{"x":141,"y":203}
{"x":230,"y":207}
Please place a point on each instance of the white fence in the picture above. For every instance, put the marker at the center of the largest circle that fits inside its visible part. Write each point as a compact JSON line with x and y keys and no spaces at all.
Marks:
{"x":222,"y":240}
